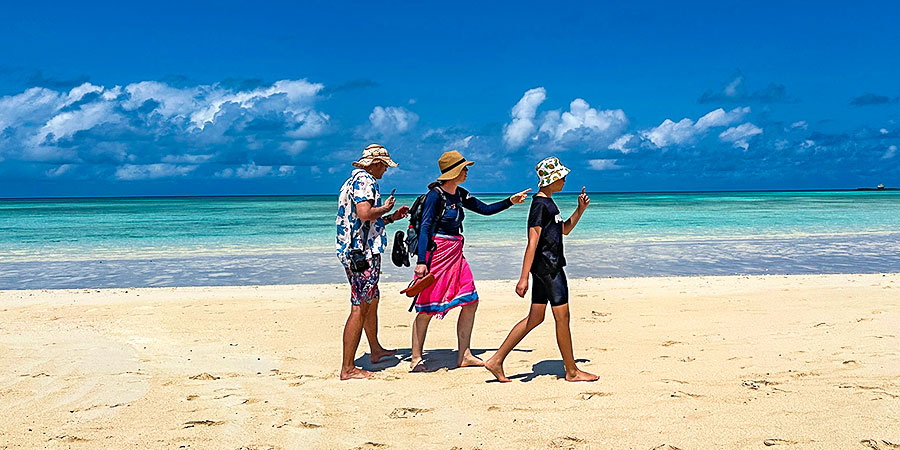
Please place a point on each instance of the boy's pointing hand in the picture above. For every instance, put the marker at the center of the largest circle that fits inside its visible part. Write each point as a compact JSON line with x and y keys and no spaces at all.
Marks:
{"x":583,"y":200}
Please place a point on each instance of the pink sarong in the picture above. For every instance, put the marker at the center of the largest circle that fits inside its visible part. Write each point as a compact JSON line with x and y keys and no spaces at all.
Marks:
{"x":453,"y":283}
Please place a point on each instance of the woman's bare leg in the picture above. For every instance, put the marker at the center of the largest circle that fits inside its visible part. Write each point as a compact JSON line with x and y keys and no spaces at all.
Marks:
{"x":518,"y":332}
{"x":419,"y":328}
{"x":464,"y":326}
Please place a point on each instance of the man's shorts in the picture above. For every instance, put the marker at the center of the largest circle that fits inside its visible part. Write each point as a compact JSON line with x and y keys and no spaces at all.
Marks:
{"x":364,"y":285}
{"x":551,"y":288}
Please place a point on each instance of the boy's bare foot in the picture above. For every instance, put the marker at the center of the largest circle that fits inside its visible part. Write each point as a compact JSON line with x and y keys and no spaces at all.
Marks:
{"x":581,"y":375}
{"x":497,"y":370}
{"x":470,"y":360}
{"x":378,"y":355}
{"x":355,"y":374}
{"x":417,"y":365}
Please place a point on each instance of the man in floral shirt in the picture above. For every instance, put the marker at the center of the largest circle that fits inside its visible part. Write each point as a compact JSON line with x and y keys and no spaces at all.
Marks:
{"x":361,"y":220}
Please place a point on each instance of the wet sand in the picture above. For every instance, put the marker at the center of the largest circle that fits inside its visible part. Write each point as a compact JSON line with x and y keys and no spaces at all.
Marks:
{"x":799,"y":362}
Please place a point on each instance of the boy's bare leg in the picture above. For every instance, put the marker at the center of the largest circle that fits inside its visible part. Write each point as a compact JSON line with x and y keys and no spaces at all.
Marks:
{"x":518,"y":332}
{"x":419,"y":328}
{"x":352,"y":333}
{"x":464,"y":326}
{"x":376,"y":351}
{"x":564,"y":340}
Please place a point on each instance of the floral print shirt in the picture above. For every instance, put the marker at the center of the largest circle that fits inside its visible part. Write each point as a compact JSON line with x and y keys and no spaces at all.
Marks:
{"x":360,"y":187}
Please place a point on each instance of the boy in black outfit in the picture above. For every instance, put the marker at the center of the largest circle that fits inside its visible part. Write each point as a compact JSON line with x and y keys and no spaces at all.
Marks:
{"x":544,"y":259}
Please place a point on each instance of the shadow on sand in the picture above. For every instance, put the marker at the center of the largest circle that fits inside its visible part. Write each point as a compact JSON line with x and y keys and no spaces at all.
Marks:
{"x":435,"y":360}
{"x":545,"y":367}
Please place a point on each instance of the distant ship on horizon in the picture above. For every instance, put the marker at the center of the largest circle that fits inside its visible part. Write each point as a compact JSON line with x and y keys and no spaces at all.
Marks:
{"x":880,"y":187}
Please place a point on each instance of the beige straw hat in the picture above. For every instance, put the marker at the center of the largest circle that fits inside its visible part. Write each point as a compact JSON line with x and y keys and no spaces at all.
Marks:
{"x":451,"y":164}
{"x":372,"y":153}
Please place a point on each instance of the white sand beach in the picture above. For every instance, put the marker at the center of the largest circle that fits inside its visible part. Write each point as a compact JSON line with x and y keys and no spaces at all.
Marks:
{"x":794,"y":362}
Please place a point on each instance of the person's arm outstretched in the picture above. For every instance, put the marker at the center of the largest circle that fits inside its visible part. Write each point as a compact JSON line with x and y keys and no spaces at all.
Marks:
{"x":473,"y":204}
{"x":583,"y":202}
{"x":534,"y":234}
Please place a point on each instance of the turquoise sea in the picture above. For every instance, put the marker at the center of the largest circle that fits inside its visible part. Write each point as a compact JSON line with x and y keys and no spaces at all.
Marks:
{"x":125,"y":242}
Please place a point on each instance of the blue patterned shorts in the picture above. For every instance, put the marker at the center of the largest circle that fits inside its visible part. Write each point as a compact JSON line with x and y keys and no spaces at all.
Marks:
{"x":364,"y":285}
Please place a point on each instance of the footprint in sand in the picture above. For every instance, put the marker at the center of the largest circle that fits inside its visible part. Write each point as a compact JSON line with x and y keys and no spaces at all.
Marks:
{"x":590,"y":395}
{"x":875,"y":444}
{"x":771,"y":442}
{"x":671,"y":343}
{"x":369,"y":445}
{"x":68,"y":438}
{"x":406,"y":413}
{"x":204,"y":376}
{"x":682,"y":394}
{"x":566,"y":442}
{"x":208,"y":423}
{"x":665,"y":447}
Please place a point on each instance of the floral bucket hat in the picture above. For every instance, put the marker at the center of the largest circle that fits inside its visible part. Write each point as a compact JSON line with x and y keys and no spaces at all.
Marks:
{"x":550,"y":170}
{"x":372,"y":153}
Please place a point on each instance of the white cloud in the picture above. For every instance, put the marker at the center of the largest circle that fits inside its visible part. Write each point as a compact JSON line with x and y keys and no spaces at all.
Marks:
{"x":890,"y":153}
{"x":459,"y":143}
{"x":36,"y":120}
{"x":392,"y":120}
{"x":603,"y":164}
{"x":686,"y":131}
{"x":883,"y":131}
{"x":152,"y":171}
{"x":581,"y":122}
{"x":248,"y":171}
{"x":186,"y":158}
{"x":800,"y":124}
{"x":740,"y":134}
{"x":53,"y":173}
{"x":522,"y":126}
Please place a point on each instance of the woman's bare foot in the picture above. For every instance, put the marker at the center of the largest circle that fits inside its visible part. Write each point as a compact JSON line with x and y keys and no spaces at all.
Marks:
{"x":469,"y":360}
{"x":581,"y":375}
{"x":355,"y":374}
{"x":497,"y":370}
{"x":378,"y":355}
{"x":417,"y":365}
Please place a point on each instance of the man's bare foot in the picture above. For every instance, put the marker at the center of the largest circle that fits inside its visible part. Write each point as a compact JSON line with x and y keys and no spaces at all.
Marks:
{"x":417,"y":365}
{"x":497,"y":370}
{"x":469,"y":360}
{"x":581,"y":375}
{"x":378,"y":355}
{"x":355,"y":374}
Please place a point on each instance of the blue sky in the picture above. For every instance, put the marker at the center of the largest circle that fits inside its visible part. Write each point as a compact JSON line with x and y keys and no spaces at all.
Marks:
{"x":278,"y":98}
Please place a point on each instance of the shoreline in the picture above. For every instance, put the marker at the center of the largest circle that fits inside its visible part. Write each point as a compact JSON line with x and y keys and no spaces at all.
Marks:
{"x":691,"y":362}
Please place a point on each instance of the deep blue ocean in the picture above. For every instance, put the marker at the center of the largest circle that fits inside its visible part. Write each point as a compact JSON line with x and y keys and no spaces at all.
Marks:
{"x":132,"y":242}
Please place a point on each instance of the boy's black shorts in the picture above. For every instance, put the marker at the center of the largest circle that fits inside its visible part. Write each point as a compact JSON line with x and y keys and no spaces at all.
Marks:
{"x":551,"y":288}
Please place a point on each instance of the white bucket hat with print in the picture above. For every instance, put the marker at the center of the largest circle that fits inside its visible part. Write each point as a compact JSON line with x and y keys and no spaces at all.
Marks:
{"x":550,"y":170}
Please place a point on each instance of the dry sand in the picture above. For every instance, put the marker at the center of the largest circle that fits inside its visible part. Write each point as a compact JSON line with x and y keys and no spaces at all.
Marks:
{"x":691,"y":363}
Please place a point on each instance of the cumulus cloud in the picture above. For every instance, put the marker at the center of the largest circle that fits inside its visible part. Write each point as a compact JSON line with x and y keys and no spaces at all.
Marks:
{"x":603,"y":164}
{"x":152,"y":171}
{"x":523,"y":113}
{"x":890,"y":153}
{"x":392,"y":120}
{"x":248,"y":171}
{"x":580,"y":125}
{"x":740,"y":134}
{"x":686,"y":131}
{"x":156,"y":125}
{"x":735,"y":92}
{"x":869,"y":99}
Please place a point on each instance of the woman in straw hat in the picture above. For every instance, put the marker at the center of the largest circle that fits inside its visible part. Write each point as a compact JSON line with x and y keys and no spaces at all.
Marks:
{"x":440,"y":253}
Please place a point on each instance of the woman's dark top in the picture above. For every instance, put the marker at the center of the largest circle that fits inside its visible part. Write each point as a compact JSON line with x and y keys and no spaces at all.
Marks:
{"x":548,"y":256}
{"x":451,"y":221}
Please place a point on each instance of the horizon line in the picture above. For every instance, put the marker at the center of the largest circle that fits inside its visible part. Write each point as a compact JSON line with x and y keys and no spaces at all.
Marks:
{"x":89,"y":197}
